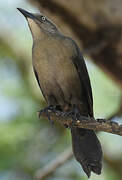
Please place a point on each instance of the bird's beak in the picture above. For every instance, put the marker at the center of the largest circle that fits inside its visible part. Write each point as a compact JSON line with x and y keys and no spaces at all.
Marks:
{"x":26,"y":14}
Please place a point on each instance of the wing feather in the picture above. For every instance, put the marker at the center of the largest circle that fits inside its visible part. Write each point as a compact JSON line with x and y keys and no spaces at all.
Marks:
{"x":80,"y":65}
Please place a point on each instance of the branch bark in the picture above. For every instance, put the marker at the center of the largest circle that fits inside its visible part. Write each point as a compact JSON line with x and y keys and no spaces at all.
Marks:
{"x":86,"y":122}
{"x":83,"y":122}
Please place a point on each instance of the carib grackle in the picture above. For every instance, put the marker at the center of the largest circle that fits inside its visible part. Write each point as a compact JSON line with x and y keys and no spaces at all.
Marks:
{"x":63,"y":78}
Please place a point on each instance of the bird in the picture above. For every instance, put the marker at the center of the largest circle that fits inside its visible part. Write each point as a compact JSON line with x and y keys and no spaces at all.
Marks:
{"x":63,"y":78}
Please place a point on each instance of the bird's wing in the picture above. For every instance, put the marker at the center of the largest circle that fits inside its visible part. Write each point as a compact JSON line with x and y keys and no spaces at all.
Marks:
{"x":37,"y":78}
{"x":80,"y":65}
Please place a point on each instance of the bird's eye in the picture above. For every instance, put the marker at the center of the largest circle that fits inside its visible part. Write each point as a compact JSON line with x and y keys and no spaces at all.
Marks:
{"x":43,"y":18}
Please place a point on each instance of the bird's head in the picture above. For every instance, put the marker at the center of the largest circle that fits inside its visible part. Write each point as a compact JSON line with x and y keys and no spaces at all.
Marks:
{"x":38,"y":23}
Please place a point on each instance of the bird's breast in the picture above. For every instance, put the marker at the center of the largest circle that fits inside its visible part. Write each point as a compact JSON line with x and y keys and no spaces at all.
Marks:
{"x":53,"y":60}
{"x":55,"y":67}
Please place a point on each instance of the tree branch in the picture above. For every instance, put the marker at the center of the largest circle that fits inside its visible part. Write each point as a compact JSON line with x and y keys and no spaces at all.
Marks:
{"x":85,"y":122}
{"x":53,"y":165}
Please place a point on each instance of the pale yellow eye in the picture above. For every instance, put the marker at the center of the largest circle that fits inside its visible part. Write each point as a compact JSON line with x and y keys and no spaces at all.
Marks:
{"x":43,"y":18}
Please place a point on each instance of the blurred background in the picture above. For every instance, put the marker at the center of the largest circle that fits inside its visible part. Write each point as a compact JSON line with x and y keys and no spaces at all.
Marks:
{"x":29,"y":144}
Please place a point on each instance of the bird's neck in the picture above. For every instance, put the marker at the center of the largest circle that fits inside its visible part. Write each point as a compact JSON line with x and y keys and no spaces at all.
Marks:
{"x":36,"y":31}
{"x":40,"y":33}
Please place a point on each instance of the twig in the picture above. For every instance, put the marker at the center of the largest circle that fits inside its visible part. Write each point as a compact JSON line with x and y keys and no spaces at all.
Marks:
{"x":83,"y":122}
{"x":86,"y":122}
{"x":53,"y":165}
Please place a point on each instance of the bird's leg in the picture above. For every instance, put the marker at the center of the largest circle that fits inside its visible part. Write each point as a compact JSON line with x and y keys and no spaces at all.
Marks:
{"x":76,"y":114}
{"x":46,"y":111}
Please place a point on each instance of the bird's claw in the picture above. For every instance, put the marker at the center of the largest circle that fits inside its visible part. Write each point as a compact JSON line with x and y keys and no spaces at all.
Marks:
{"x":113,"y":123}
{"x":74,"y":114}
{"x":47,"y":111}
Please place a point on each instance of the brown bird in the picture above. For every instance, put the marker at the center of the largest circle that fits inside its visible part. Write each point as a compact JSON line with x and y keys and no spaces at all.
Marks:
{"x":64,"y":81}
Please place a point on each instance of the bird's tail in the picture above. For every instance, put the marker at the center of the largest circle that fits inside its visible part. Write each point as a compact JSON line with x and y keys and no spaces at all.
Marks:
{"x":87,"y":150}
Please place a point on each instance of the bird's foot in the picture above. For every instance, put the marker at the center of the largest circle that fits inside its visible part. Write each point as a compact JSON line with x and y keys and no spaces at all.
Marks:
{"x":111,"y":122}
{"x":47,"y":111}
{"x":101,"y":120}
{"x":66,"y":113}
{"x":74,"y":114}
